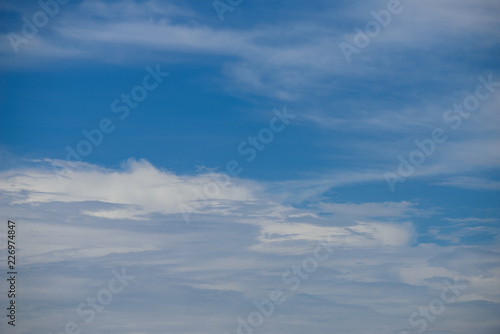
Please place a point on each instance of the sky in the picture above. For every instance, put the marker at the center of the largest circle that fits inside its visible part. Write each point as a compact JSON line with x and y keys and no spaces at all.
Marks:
{"x":237,"y":166}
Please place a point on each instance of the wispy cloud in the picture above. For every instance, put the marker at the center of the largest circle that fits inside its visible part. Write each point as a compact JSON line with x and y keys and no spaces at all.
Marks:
{"x":322,"y":179}
{"x":372,"y":255}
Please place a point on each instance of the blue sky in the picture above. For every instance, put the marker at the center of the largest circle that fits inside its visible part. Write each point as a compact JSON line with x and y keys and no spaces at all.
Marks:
{"x":330,"y":131}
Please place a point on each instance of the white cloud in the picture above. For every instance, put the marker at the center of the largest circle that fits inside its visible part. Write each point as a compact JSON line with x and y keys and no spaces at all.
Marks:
{"x":290,"y":238}
{"x":474,"y":183}
{"x":226,"y":259}
{"x":384,"y":209}
{"x":140,"y":187}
